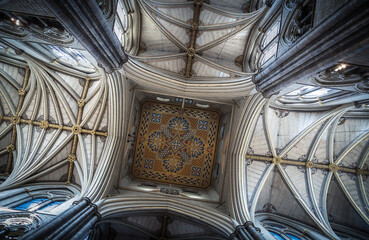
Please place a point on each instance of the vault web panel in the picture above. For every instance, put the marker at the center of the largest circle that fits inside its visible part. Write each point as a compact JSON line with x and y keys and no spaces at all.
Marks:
{"x":176,"y":145}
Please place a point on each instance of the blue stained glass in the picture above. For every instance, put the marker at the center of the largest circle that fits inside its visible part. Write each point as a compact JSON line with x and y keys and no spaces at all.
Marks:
{"x":277,"y":236}
{"x":30,"y":204}
{"x":293,"y":237}
{"x":51,"y":206}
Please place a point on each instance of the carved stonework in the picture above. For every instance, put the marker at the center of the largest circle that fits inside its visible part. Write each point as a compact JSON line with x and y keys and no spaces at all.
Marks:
{"x":249,"y":161}
{"x":299,"y":20}
{"x":183,"y":71}
{"x":269,"y":208}
{"x":194,"y":25}
{"x":45,"y":124}
{"x":239,"y":61}
{"x":36,"y":29}
{"x":332,"y":77}
{"x":309,"y":164}
{"x":341,"y":121}
{"x":142,"y":48}
{"x":170,"y":191}
{"x":15,"y":224}
{"x":281,"y":113}
{"x":363,"y":86}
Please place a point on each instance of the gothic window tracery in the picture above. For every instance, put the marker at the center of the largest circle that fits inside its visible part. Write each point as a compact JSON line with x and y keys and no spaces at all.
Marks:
{"x":269,"y":45}
{"x":282,"y":232}
{"x":120,"y":23}
{"x":69,"y":55}
{"x":310,"y":94}
{"x":31,"y":205}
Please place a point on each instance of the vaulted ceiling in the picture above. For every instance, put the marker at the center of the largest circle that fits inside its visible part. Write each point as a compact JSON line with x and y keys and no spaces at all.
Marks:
{"x":73,"y":124}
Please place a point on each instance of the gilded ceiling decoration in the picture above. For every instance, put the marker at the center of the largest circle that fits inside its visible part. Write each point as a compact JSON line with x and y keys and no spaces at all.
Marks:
{"x":176,"y":145}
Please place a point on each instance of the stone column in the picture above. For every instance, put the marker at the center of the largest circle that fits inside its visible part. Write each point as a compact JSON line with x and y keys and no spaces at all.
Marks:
{"x":86,"y":22}
{"x":80,"y":216}
{"x":253,"y":231}
{"x":248,"y":231}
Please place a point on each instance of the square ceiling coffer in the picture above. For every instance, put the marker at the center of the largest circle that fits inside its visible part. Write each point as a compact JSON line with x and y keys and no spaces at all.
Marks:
{"x":176,"y":145}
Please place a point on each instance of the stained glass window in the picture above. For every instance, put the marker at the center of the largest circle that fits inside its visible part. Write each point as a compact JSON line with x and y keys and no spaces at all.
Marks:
{"x":68,"y":54}
{"x":30,"y":204}
{"x":270,"y":43}
{"x":277,"y":236}
{"x":120,"y":23}
{"x":292,"y":237}
{"x":50,"y":206}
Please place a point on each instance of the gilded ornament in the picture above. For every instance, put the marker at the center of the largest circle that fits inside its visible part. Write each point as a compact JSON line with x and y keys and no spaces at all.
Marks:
{"x":44,"y":124}
{"x":15,"y":119}
{"x":333,"y":167}
{"x":76,"y":129}
{"x":81,"y":103}
{"x":10,"y":148}
{"x":277,"y":160}
{"x":309,"y":164}
{"x":22,"y":92}
{"x":71,"y":158}
{"x":191,"y":51}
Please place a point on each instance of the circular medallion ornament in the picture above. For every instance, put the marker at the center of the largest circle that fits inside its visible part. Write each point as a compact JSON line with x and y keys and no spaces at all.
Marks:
{"x":71,"y":158}
{"x":76,"y":129}
{"x":191,"y":51}
{"x":44,"y":124}
{"x":81,"y":103}
{"x":15,"y":119}
{"x":277,"y":160}
{"x":10,"y":148}
{"x":22,"y":92}
{"x":309,"y":164}
{"x":333,"y":167}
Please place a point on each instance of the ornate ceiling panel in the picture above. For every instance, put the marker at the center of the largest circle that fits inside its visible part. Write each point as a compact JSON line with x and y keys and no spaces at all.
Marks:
{"x":176,"y":145}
